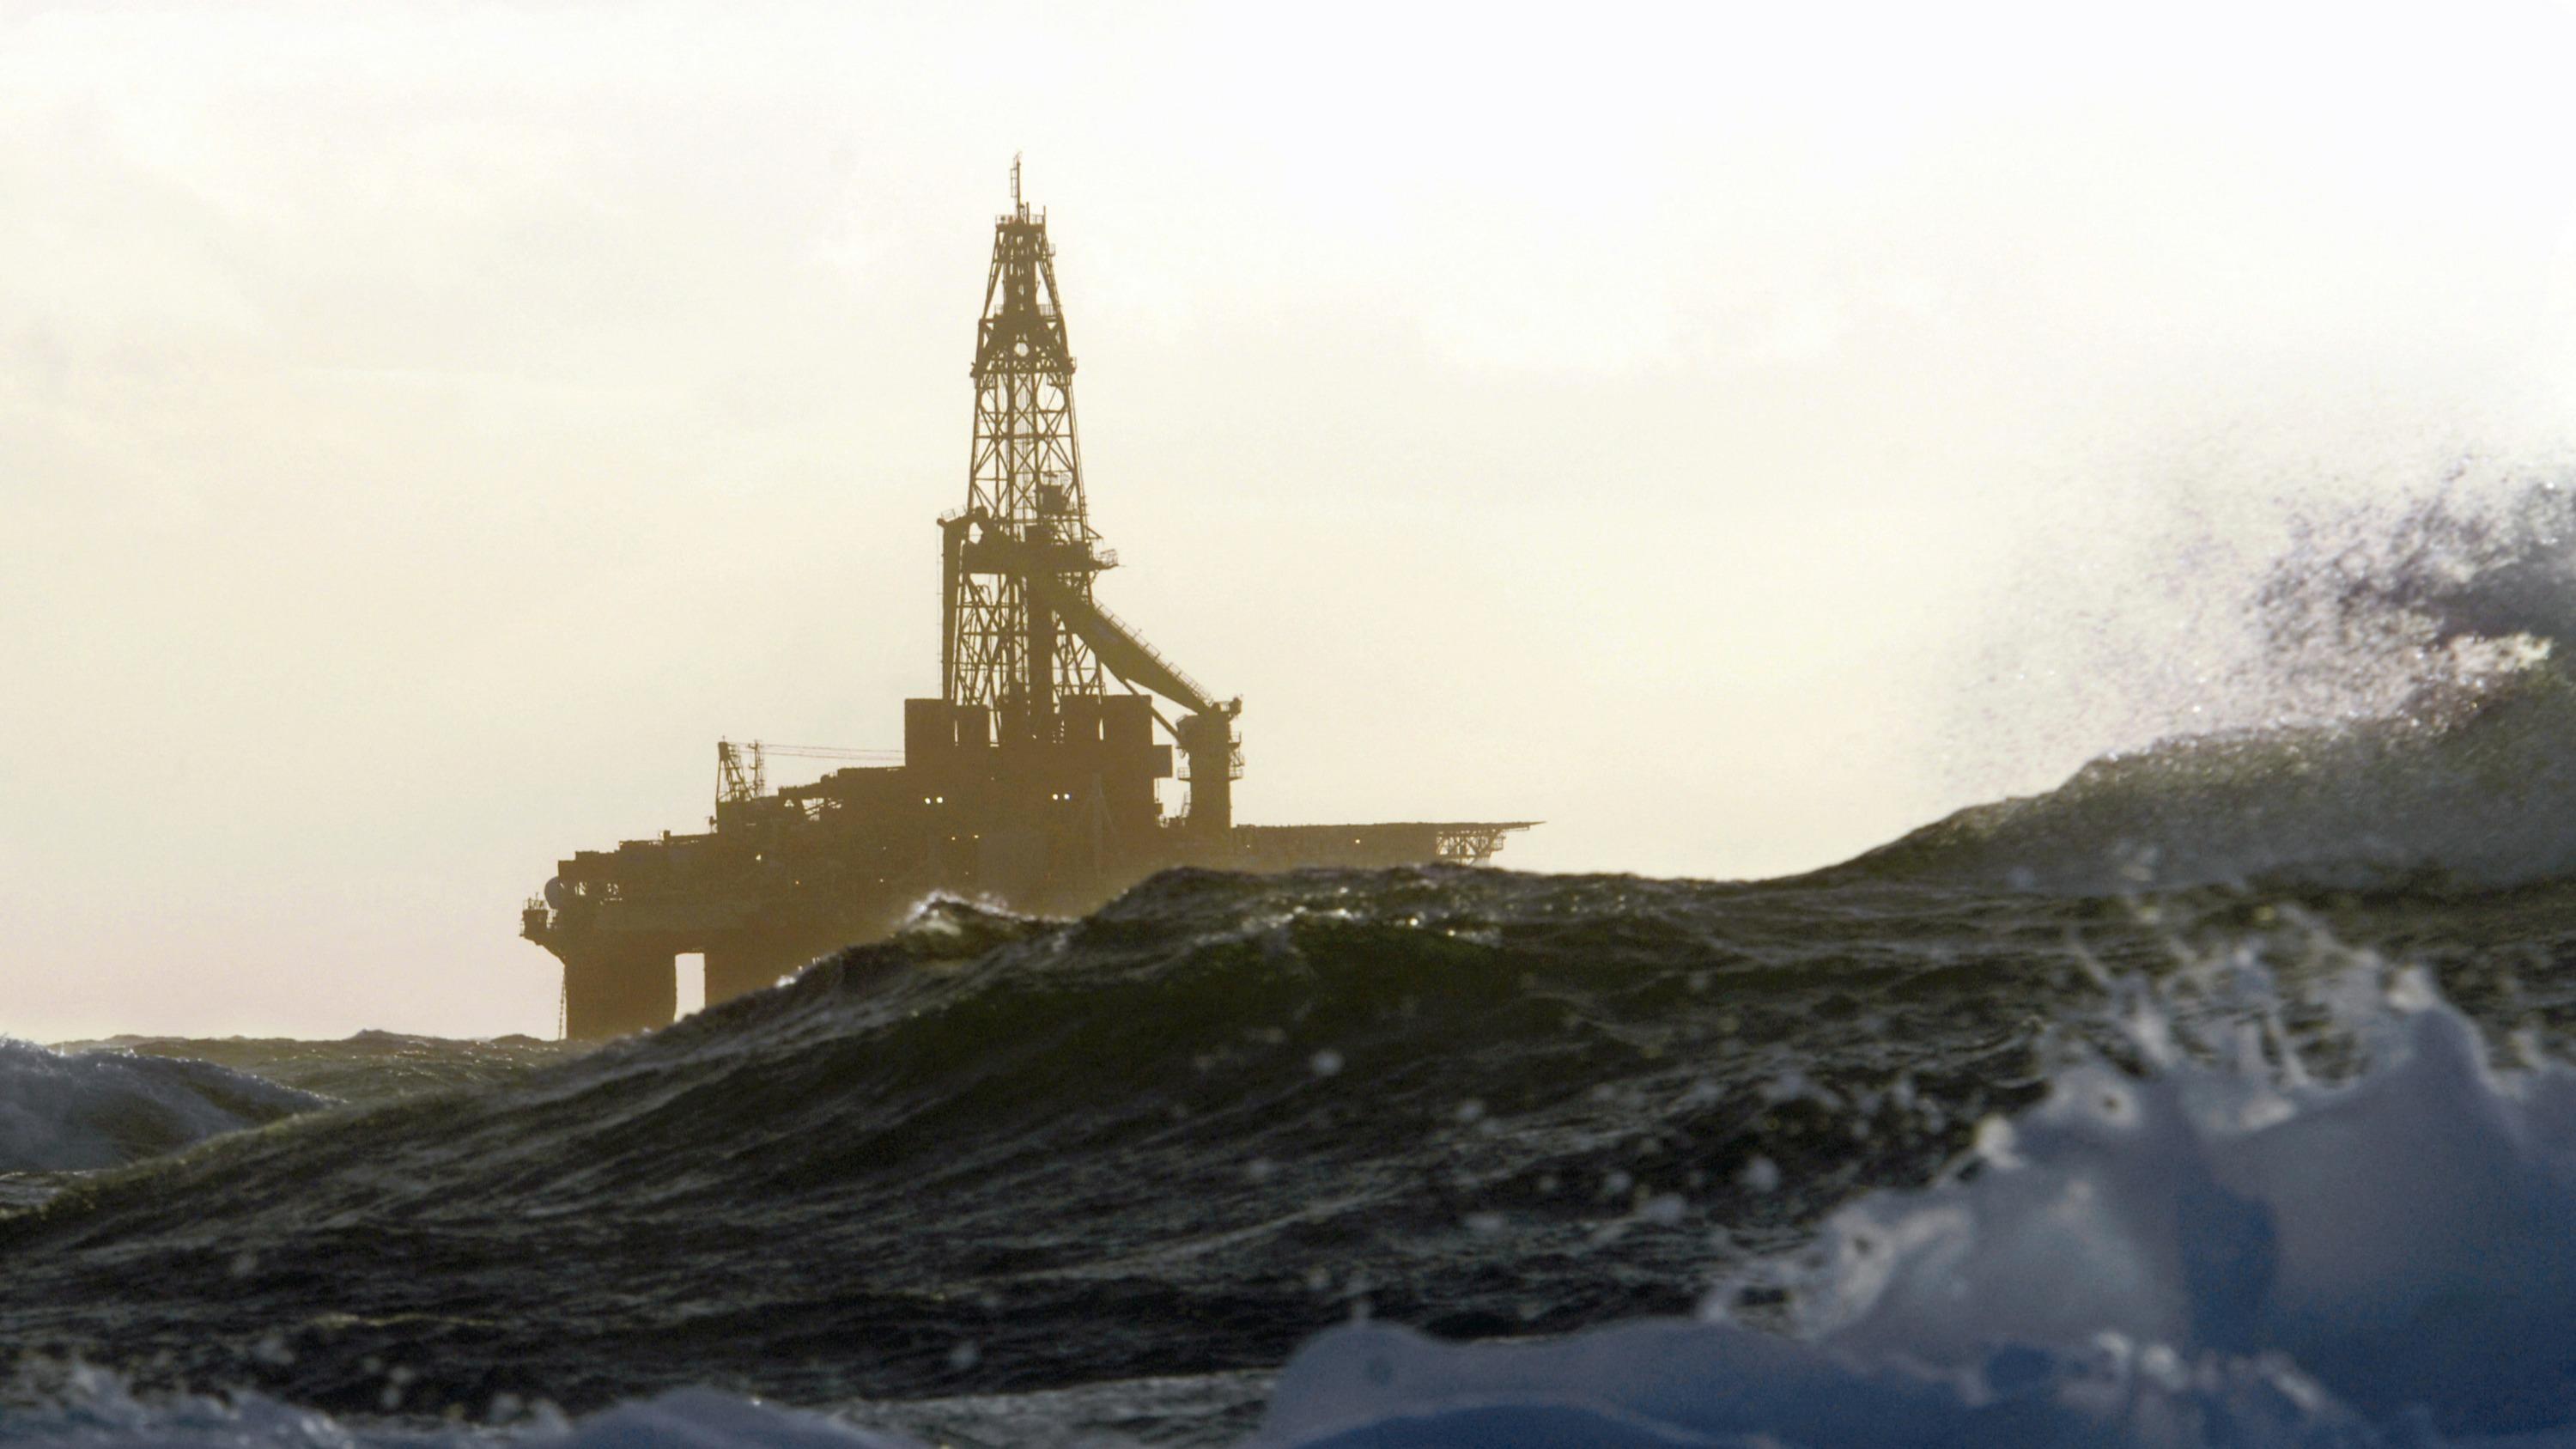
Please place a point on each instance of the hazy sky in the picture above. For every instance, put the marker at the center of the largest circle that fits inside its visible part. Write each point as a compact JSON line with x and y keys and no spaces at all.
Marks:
{"x":1733,"y":434}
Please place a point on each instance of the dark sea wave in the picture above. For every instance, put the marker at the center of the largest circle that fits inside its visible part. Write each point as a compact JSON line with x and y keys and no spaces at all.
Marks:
{"x":997,"y":1156}
{"x":75,"y":1111}
{"x":1175,"y":1137}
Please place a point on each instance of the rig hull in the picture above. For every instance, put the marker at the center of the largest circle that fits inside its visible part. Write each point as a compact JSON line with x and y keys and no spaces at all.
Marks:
{"x":1056,"y":828}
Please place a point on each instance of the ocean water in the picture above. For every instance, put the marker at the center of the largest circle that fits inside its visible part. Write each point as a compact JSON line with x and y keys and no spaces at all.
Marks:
{"x":1479,"y":1157}
{"x":2221,"y":1096}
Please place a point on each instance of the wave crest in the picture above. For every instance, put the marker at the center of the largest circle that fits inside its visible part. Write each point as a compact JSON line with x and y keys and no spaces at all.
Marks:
{"x":65,"y":1112}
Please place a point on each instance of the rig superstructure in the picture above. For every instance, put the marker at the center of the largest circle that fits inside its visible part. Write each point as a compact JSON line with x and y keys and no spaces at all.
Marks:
{"x":1029,"y":780}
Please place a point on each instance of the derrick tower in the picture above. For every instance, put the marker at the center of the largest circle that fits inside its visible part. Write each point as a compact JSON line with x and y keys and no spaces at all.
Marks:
{"x":1006,"y":649}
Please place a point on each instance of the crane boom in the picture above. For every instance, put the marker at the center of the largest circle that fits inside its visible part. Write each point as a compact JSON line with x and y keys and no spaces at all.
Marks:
{"x":1120,"y":648}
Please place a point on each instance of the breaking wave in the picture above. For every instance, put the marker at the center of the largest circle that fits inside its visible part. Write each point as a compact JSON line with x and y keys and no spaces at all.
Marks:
{"x":78,"y":1111}
{"x":2483,"y":797}
{"x":2218,"y":1255}
{"x":2419,"y":727}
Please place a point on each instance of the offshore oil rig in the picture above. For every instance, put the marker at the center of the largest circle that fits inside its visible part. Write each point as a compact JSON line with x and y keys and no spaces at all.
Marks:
{"x":1029,"y":780}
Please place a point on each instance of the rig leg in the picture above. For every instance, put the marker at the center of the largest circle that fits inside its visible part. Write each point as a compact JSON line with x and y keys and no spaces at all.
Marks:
{"x":745,"y":967}
{"x":613,"y":990}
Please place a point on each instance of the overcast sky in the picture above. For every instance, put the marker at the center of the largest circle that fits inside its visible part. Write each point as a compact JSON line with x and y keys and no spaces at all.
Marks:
{"x":1734,"y":434}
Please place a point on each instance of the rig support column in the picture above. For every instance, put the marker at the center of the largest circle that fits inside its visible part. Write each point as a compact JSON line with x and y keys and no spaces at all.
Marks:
{"x":740,"y":969}
{"x":615,"y":989}
{"x":1207,"y":740}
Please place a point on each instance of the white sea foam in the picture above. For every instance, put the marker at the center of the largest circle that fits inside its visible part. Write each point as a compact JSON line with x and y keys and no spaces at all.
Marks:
{"x":2205,"y":1256}
{"x":66,"y":1111}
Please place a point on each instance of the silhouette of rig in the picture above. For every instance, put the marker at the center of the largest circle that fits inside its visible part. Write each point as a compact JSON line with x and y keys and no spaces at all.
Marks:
{"x":1030,"y":780}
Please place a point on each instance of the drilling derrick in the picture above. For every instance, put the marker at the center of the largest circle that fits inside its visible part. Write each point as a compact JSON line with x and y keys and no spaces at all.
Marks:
{"x":1005,"y":650}
{"x":1023,"y":642}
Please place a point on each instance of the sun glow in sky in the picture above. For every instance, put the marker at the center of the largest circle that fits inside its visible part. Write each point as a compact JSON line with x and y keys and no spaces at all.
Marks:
{"x":425,"y":429}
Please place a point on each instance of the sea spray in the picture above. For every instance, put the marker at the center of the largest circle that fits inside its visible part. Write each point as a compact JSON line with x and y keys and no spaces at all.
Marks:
{"x":2384,"y":700}
{"x":2480,"y":798}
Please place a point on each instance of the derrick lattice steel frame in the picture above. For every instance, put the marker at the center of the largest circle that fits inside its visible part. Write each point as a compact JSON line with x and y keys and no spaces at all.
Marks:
{"x":1004,"y":650}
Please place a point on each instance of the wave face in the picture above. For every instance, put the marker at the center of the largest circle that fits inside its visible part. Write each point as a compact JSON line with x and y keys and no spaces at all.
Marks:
{"x":997,"y":1156}
{"x":86,"y":1110}
{"x":1949,"y":1166}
